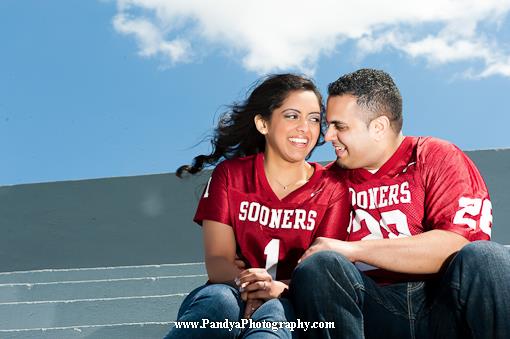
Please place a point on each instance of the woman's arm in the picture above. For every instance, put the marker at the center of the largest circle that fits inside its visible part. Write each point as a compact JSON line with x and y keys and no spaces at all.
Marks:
{"x":220,"y":251}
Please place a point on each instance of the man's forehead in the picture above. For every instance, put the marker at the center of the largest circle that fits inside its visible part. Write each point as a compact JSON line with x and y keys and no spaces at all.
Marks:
{"x":341,"y":109}
{"x":334,"y":118}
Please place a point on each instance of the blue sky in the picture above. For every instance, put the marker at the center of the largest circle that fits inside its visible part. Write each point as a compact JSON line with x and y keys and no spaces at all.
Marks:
{"x":92,"y":89}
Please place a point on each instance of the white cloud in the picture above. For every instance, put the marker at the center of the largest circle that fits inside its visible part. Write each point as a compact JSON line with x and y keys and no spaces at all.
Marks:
{"x":277,"y":35}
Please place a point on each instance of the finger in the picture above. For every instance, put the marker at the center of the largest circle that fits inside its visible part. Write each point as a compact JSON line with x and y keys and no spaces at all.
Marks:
{"x":252,"y":271}
{"x":254,"y":286}
{"x":250,"y":307}
{"x":257,"y":285}
{"x":259,"y":294}
{"x":250,"y":277}
{"x":253,"y":279}
{"x":247,"y":312}
{"x":305,"y":255}
{"x":241,"y":265}
{"x":244,"y":296}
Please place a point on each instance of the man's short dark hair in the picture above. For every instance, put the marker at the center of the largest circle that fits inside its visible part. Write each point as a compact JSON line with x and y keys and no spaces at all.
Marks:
{"x":375,"y":91}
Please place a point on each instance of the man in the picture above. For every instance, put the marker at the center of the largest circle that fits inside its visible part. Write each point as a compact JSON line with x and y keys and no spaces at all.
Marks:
{"x":411,"y":266}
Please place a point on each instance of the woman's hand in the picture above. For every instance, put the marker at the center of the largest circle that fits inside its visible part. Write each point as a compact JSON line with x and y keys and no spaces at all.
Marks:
{"x":256,"y":283}
{"x":251,"y":306}
{"x":239,"y":262}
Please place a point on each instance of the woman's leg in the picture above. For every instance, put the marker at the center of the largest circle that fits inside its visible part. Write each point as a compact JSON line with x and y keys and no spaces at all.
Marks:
{"x":270,"y":320}
{"x":208,"y":304}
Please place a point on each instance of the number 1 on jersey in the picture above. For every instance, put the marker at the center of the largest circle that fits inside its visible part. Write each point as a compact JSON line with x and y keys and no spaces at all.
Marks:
{"x":272,"y":252}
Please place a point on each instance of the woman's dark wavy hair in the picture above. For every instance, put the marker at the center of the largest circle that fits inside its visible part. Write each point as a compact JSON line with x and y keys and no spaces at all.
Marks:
{"x":236,"y":134}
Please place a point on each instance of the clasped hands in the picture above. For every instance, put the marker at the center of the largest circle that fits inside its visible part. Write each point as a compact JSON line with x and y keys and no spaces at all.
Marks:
{"x":256,"y":286}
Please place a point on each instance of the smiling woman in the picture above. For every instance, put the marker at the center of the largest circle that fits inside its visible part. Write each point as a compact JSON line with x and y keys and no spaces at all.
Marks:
{"x":236,"y":134}
{"x":264,"y":204}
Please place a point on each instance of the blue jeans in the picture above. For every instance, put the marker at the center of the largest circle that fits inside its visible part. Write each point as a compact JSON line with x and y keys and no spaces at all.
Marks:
{"x":471,"y":299}
{"x":220,"y":302}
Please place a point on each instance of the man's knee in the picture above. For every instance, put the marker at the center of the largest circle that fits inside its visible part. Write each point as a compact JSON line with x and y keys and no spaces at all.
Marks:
{"x":487,"y":260}
{"x":483,"y":253}
{"x":322,"y":268}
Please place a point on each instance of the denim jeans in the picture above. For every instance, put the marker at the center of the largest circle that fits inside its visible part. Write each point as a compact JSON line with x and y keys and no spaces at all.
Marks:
{"x":220,"y":302}
{"x":471,"y":299}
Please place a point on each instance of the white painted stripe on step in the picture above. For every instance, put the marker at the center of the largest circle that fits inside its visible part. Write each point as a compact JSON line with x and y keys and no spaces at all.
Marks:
{"x":78,"y":327}
{"x":103,"y":280}
{"x":100,"y":268}
{"x":68,"y":301}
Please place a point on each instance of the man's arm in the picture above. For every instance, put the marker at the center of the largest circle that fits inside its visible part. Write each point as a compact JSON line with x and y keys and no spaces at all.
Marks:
{"x":420,"y":254}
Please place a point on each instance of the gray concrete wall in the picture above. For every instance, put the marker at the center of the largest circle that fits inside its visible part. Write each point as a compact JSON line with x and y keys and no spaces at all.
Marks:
{"x":142,"y":220}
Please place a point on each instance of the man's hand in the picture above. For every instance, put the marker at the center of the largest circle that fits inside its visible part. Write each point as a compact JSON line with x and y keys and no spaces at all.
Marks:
{"x":423,"y":253}
{"x":347,"y":249}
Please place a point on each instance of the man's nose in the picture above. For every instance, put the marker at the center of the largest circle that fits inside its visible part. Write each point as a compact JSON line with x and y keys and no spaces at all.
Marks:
{"x":330,"y":133}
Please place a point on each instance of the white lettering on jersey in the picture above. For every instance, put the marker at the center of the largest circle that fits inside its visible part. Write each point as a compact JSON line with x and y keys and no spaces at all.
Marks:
{"x":311,"y":220}
{"x":286,"y":219}
{"x":374,"y":227}
{"x":406,"y":194}
{"x":277,"y":218}
{"x":264,"y":215}
{"x":206,"y":194}
{"x":272,"y":252}
{"x":243,"y":210}
{"x":299,"y":221}
{"x":382,"y":196}
{"x":254,"y":211}
{"x":471,"y":210}
{"x":383,"y":200}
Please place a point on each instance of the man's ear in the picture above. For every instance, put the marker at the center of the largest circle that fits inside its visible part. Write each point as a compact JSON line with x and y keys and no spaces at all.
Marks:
{"x":380,"y":126}
{"x":261,"y":124}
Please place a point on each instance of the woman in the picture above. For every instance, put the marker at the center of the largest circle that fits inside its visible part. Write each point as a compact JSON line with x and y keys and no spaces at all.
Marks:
{"x":265,"y":204}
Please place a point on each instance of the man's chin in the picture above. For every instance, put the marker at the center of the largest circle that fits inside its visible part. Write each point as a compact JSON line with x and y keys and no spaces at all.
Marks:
{"x":341,"y":164}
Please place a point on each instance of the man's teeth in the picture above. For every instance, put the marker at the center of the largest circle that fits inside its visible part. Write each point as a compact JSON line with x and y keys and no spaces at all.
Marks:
{"x":299,"y":140}
{"x":339,"y":148}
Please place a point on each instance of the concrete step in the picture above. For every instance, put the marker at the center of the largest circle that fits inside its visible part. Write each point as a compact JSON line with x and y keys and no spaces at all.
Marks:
{"x":90,"y":289}
{"x":87,"y":312}
{"x":114,"y":331}
{"x":101,"y":273}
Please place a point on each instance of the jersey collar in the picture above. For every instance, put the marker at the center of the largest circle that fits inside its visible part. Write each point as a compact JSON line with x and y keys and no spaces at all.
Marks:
{"x":261,"y":175}
{"x":392,"y":165}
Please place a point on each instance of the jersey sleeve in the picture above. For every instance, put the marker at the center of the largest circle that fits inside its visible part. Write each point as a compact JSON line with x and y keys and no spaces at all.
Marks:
{"x":456,"y":196}
{"x":336,"y":219}
{"x":213,"y":204}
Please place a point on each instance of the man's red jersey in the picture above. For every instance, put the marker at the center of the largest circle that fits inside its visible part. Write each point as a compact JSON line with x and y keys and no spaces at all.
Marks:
{"x":273,"y":233}
{"x":427,"y":184}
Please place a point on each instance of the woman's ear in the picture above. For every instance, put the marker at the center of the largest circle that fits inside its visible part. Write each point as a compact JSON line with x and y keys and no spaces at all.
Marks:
{"x":261,"y":124}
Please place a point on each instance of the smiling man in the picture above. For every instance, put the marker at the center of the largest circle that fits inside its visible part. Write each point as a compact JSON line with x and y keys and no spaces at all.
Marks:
{"x":416,"y":262}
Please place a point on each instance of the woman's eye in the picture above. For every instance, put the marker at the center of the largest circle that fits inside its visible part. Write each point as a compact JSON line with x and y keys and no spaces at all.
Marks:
{"x":291,"y":116}
{"x":315,"y":119}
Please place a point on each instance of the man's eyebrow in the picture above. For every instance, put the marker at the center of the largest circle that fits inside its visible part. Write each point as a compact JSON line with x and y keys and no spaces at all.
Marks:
{"x":336,"y":122}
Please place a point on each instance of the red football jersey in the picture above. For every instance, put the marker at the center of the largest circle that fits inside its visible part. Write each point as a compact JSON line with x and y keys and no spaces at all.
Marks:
{"x":273,"y":233}
{"x":427,"y":184}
